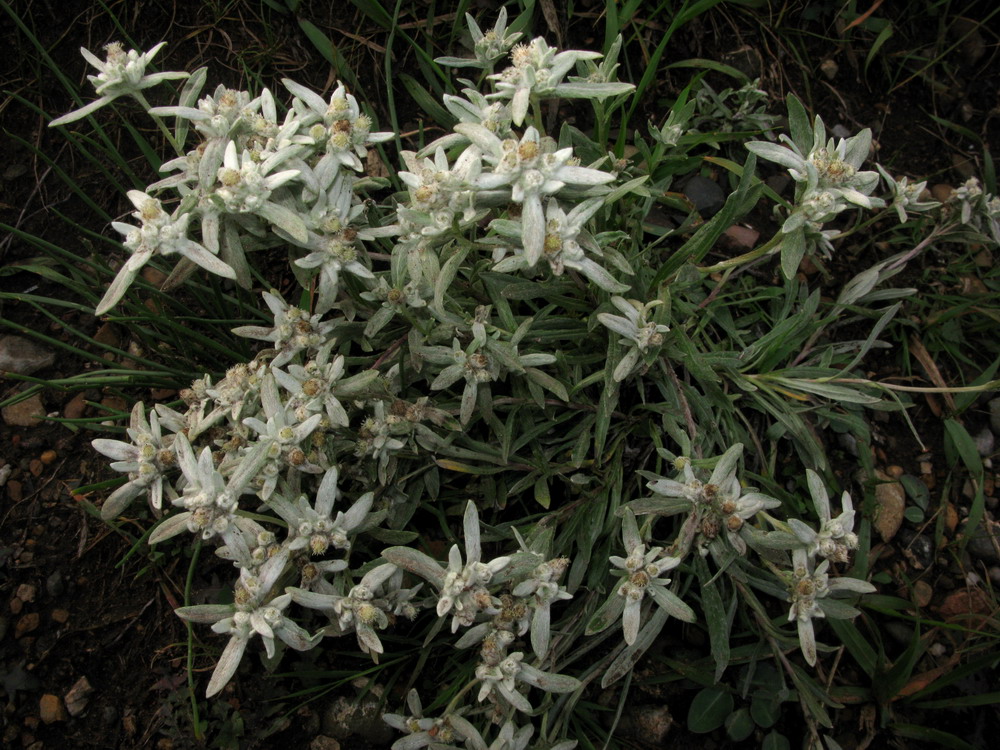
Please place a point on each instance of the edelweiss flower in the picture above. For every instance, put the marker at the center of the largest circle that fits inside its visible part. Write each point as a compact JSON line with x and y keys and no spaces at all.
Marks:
{"x":640,"y":334}
{"x":146,"y":459}
{"x":642,"y":576}
{"x":829,"y":165}
{"x":364,"y":610}
{"x":543,"y":589}
{"x":251,"y":614}
{"x":210,"y":501}
{"x":720,"y":504}
{"x":332,"y":255}
{"x":315,"y":528}
{"x":436,"y":734}
{"x":244,"y":186}
{"x":159,"y":234}
{"x":807,"y":586}
{"x":119,"y":74}
{"x":294,"y":330}
{"x":488,"y":46}
{"x":347,"y":131}
{"x":228,"y":114}
{"x":836,"y":537}
{"x":564,"y":244}
{"x":538,"y":71}
{"x":906,"y":195}
{"x":463,"y":588}
{"x":317,"y":386}
{"x":533,"y":168}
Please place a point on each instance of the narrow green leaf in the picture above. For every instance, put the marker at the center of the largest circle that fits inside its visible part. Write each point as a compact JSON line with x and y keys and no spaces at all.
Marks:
{"x":883,"y":36}
{"x":330,"y":53}
{"x":937,"y":737}
{"x":427,"y":102}
{"x":716,"y":617}
{"x":542,"y":496}
{"x":965,"y":446}
{"x":857,"y":645}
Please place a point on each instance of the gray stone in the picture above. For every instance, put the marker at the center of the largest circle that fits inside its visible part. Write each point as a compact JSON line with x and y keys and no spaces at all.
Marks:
{"x":705,"y":194}
{"x":54,"y":584}
{"x":78,"y":696}
{"x":985,"y":442}
{"x":995,"y":414}
{"x":22,"y":356}
{"x":918,"y":548}
{"x":980,"y":545}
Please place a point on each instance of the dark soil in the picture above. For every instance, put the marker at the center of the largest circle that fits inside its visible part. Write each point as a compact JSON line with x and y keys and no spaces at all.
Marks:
{"x":75,"y":605}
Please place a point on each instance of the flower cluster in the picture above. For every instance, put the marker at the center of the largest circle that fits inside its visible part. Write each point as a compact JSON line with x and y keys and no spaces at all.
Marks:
{"x":458,"y":330}
{"x":828,"y":181}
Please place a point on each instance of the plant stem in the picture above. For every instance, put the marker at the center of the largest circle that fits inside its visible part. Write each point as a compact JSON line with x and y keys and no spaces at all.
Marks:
{"x":196,"y":722}
{"x":159,"y":122}
{"x":768,"y":247}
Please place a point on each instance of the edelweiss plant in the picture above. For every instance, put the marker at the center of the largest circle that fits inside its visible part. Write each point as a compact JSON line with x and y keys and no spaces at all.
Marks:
{"x":499,"y":343}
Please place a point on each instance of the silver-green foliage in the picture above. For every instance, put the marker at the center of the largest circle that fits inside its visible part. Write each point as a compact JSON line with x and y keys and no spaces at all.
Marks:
{"x":499,"y":331}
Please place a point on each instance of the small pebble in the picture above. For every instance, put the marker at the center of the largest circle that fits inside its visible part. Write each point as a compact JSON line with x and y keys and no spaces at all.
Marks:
{"x":985,"y":442}
{"x":77,"y":697}
{"x":108,"y":714}
{"x":980,"y":545}
{"x":51,"y":709}
{"x":26,"y":592}
{"x":60,"y":616}
{"x":115,"y":404}
{"x":76,"y":406}
{"x":35,"y":467}
{"x":951,"y":518}
{"x":740,"y":238}
{"x":48,"y":457}
{"x":942,"y":193}
{"x":26,"y":624}
{"x":27,"y":413}
{"x":16,"y":605}
{"x":153,"y":276}
{"x":938,"y":649}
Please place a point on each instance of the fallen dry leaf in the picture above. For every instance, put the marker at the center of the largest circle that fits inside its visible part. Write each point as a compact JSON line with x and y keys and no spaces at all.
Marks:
{"x":922,"y":680}
{"x":970,"y":285}
{"x":918,"y":350}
